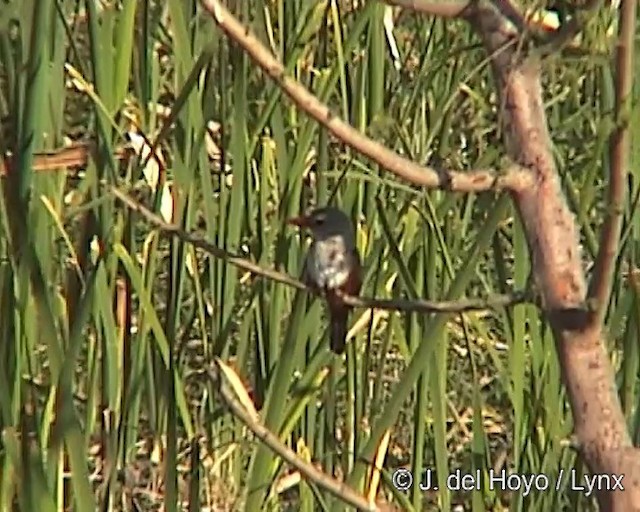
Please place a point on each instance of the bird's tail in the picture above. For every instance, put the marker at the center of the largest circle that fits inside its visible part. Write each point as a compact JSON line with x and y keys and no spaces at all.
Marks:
{"x":338,"y":334}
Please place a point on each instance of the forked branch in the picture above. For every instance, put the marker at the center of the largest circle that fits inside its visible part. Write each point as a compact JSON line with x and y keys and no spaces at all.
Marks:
{"x":550,"y":226}
{"x":513,"y":178}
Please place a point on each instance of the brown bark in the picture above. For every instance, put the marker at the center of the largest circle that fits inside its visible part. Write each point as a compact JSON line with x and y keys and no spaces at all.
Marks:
{"x":553,"y":239}
{"x":550,"y":226}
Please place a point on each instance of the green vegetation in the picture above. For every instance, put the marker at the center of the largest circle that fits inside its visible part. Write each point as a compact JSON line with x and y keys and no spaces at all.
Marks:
{"x":107,"y":326}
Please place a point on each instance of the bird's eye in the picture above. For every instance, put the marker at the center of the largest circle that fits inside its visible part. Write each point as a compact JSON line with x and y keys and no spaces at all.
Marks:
{"x":319,"y":220}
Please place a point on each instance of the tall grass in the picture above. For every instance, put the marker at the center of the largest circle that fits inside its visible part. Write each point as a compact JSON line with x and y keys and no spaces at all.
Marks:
{"x":106,"y":326}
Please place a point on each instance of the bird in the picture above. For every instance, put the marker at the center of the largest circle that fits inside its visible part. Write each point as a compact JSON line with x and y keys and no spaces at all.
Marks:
{"x":332,"y":265}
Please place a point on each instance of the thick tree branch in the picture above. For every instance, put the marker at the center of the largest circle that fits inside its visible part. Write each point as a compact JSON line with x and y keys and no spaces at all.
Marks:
{"x":451,"y":9}
{"x":514,"y":178}
{"x":550,"y":227}
{"x":458,"y":8}
{"x":552,"y":235}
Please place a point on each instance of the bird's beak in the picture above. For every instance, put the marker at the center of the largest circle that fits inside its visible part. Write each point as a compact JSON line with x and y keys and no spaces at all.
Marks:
{"x":302,"y":222}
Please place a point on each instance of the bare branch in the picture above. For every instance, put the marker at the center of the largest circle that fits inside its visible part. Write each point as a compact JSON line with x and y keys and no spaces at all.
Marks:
{"x":557,"y":266}
{"x":460,"y":8}
{"x":434,"y":306}
{"x":198,"y":241}
{"x":514,"y":178}
{"x":549,"y":225}
{"x":76,"y":155}
{"x":452,"y":9}
{"x":552,"y":232}
{"x":618,"y":160}
{"x":421,"y":306}
{"x":322,"y":480}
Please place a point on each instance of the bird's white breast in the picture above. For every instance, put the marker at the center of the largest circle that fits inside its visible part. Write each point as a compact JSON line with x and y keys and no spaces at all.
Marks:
{"x":329,"y":262}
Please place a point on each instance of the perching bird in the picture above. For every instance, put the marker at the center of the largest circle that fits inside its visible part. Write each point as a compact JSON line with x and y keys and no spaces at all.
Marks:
{"x":332,"y":264}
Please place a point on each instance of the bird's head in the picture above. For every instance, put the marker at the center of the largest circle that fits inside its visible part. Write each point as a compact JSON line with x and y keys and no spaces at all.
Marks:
{"x":325,"y":223}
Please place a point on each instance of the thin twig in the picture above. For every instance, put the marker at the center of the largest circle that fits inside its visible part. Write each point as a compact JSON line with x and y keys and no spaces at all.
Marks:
{"x":421,"y":306}
{"x":322,"y":480}
{"x":618,"y":161}
{"x":76,"y":155}
{"x":514,"y":177}
{"x":437,"y":306}
{"x":199,"y":241}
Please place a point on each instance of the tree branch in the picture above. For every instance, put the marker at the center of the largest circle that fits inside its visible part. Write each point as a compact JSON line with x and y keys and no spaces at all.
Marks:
{"x":76,"y":155}
{"x":450,"y":9}
{"x":322,"y":480}
{"x":513,"y":178}
{"x":618,"y":161}
{"x":552,"y":235}
{"x":420,"y":306}
{"x":549,"y":225}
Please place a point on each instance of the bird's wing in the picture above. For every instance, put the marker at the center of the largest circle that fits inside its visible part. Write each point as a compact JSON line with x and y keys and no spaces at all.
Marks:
{"x":308,"y":276}
{"x":354,"y":283}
